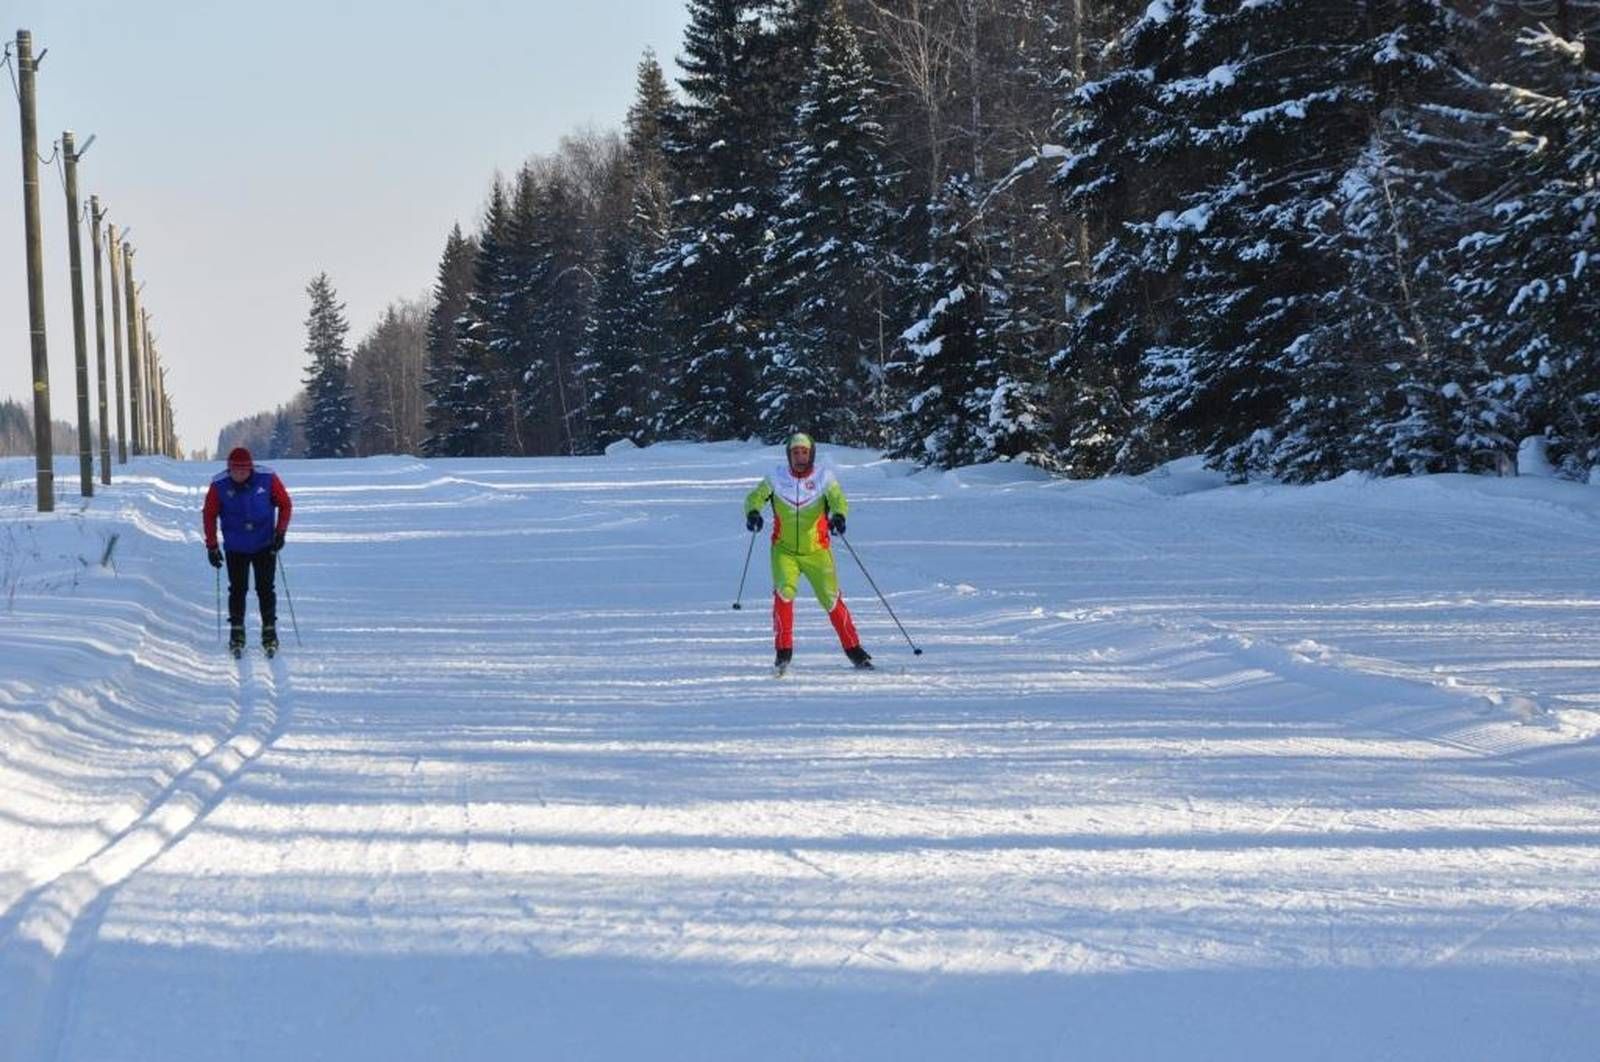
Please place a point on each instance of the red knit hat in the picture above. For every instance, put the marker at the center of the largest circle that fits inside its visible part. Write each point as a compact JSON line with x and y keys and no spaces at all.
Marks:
{"x":239,"y":457}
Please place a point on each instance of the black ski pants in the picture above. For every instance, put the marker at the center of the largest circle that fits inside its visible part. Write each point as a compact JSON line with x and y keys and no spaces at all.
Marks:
{"x":265,"y":565}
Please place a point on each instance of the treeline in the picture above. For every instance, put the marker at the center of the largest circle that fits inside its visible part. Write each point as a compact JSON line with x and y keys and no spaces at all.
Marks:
{"x":379,"y":400}
{"x":16,"y":432}
{"x":1299,"y":236}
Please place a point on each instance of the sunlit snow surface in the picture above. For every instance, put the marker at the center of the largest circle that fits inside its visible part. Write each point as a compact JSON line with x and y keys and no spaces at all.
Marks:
{"x":1187,"y":771}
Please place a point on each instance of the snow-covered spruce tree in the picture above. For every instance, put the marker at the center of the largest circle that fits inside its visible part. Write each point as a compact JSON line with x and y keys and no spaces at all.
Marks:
{"x":1122,"y":153}
{"x":620,"y":361}
{"x":1405,"y":397}
{"x":514,"y":341}
{"x":613,"y":365}
{"x":828,"y":274}
{"x":450,"y":292}
{"x":1386,"y":383}
{"x":553,"y":292}
{"x":1529,"y":277}
{"x":386,"y":375}
{"x":1253,"y":115}
{"x":1018,"y":422}
{"x":646,"y":140}
{"x":940,"y":363}
{"x":282,"y":443}
{"x":719,"y":148}
{"x":1267,"y":378}
{"x":329,"y":417}
{"x":481,"y":396}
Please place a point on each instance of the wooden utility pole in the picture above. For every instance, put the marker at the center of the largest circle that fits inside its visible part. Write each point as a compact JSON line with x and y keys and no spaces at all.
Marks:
{"x":44,"y":455}
{"x":131,"y":298}
{"x":116,"y":338}
{"x":152,"y":368}
{"x":80,"y":331}
{"x":166,"y":418}
{"x":147,"y":373}
{"x":96,"y":215}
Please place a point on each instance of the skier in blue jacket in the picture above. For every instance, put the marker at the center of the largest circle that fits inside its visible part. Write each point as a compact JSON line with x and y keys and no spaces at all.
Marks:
{"x":250,"y":502}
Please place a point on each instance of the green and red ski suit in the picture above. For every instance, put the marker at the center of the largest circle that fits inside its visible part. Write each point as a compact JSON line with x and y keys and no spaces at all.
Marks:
{"x":800,"y":545}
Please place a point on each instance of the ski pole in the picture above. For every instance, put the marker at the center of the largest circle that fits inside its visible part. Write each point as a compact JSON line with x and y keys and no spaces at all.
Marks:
{"x":218,"y":573}
{"x":915,"y":651}
{"x":742,"y":575}
{"x":283,"y":573}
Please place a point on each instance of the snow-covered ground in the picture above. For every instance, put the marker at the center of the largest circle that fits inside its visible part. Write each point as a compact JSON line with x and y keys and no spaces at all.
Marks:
{"x":1186,"y":772}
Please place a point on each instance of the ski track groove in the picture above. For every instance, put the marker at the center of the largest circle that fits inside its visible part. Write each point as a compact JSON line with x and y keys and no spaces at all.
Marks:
{"x":262,"y":718}
{"x":124,"y":666}
{"x":1472,"y":939}
{"x":13,"y":914}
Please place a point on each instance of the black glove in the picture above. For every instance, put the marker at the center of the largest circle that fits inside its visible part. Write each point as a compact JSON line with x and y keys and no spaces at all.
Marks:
{"x":214,"y":555}
{"x":836,"y":523}
{"x":277,"y":542}
{"x":753,"y":521}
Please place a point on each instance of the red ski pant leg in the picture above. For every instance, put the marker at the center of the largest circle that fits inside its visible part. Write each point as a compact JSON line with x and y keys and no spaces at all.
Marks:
{"x":782,"y":622}
{"x":844,"y":625}
{"x":785,"y":581}
{"x":819,"y":569}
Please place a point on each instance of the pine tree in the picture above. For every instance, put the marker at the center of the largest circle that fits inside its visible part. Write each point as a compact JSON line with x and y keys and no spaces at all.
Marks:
{"x":450,"y":294}
{"x":1121,"y":152}
{"x":938,"y":371}
{"x":719,"y":146}
{"x":386,"y":376}
{"x":481,"y":395}
{"x":329,"y":418}
{"x":282,"y":444}
{"x":1406,"y":395}
{"x":517,"y":354}
{"x":614,"y":369}
{"x":1017,"y":419}
{"x":1528,"y":277}
{"x":1254,"y":116}
{"x":620,"y":362}
{"x":551,"y":309}
{"x":648,"y":170}
{"x":828,"y":271}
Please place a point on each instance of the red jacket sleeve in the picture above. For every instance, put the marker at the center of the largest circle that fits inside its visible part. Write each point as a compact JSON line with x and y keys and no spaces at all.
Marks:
{"x":280,"y":498}
{"x":209,"y":514}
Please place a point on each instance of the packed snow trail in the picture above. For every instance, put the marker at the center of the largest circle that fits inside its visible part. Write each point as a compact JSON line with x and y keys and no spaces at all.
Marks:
{"x":1187,"y":771}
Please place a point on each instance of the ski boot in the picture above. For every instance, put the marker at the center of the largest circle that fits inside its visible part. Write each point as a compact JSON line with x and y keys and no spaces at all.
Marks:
{"x":236,"y":640}
{"x":269,"y":640}
{"x":858,"y":656}
{"x":781,"y":663}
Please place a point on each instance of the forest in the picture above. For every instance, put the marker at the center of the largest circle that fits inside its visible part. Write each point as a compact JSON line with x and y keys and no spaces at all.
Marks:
{"x":1299,"y":237}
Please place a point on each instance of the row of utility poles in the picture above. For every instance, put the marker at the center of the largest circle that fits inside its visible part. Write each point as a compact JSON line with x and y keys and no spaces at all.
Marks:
{"x":148,"y":428}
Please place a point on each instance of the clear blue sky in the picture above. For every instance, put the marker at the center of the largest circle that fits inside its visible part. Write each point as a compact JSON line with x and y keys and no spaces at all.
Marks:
{"x":251,"y":146}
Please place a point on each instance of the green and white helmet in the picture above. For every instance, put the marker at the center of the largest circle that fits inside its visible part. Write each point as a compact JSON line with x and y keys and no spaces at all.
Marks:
{"x":800,"y":441}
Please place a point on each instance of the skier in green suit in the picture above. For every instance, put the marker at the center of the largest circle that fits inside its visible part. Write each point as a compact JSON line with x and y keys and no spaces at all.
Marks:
{"x":807,"y":504}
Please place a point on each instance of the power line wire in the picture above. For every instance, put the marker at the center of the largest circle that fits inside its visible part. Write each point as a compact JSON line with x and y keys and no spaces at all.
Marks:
{"x":10,"y":69}
{"x":55,"y":160}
